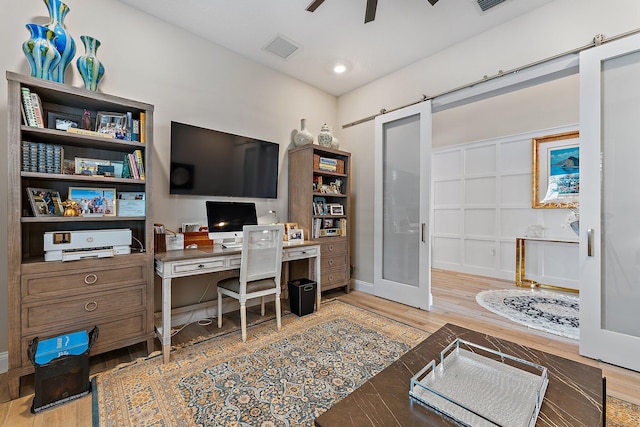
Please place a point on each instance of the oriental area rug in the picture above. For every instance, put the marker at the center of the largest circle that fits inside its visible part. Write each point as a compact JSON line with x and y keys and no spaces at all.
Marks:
{"x":552,"y":312}
{"x":277,"y":378}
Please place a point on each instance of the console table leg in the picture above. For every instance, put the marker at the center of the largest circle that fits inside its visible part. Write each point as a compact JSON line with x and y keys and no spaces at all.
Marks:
{"x":14,"y":387}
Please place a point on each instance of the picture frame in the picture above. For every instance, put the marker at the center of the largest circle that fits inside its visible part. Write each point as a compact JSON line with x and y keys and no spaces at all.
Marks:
{"x":555,"y":171}
{"x":94,"y":201}
{"x":63,"y":121}
{"x":289,"y":226}
{"x":319,"y":206}
{"x":335,"y":209}
{"x":112,"y":124}
{"x":295,"y":235}
{"x":84,"y":166}
{"x":45,"y":202}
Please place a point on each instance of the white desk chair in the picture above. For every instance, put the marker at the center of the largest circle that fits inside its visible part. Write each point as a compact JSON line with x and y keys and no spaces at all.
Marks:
{"x":260,"y":269}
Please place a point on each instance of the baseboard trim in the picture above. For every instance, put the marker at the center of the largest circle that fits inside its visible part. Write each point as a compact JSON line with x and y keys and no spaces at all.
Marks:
{"x":4,"y":362}
{"x":361,"y":286}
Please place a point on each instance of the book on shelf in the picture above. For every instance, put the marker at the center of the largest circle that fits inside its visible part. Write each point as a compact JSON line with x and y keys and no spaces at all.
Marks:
{"x":139,"y":163}
{"x":133,"y":168}
{"x":126,"y":170}
{"x":42,"y":158}
{"x":129,"y":134}
{"x":327,"y":164}
{"x":29,"y":111}
{"x":143,"y":130}
{"x":89,"y":132}
{"x":135,"y":130}
{"x":37,"y":108}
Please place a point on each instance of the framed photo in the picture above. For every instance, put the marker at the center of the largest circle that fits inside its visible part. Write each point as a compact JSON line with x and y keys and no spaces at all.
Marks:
{"x":295,"y":235}
{"x":45,"y":202}
{"x":90,"y":166}
{"x":289,"y":226}
{"x":94,"y":201}
{"x":335,"y":209}
{"x":61,"y":121}
{"x":112,"y":123}
{"x":319,"y":206}
{"x":556,"y":171}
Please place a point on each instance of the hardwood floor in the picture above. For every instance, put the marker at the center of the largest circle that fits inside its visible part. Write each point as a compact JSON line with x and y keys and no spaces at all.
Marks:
{"x":454,"y":302}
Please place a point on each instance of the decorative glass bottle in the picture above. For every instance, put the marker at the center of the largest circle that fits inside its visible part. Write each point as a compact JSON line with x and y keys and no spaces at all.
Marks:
{"x":89,"y":66}
{"x":41,"y":52}
{"x":64,"y":43}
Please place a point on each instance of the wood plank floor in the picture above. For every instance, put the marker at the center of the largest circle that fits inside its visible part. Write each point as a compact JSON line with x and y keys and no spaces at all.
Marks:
{"x":454,"y":302}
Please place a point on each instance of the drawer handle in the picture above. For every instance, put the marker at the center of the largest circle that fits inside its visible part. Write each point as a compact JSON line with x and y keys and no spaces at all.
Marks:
{"x":330,"y":262}
{"x":331,"y":247}
{"x":91,"y":306}
{"x":330,"y":278}
{"x":201,"y":266}
{"x":90,"y":279}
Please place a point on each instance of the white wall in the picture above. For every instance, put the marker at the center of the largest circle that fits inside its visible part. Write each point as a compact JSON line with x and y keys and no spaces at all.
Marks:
{"x":555,"y":28}
{"x":187,"y":79}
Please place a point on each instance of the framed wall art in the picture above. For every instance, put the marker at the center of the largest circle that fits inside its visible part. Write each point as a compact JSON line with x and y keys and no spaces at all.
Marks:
{"x":556,"y":171}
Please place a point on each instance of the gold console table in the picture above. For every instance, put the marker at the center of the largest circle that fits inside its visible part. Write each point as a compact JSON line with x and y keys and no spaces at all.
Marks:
{"x":521,"y":281}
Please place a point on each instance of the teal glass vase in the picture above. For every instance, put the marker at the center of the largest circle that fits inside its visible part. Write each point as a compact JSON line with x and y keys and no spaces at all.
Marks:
{"x":41,"y":53}
{"x":89,"y":66}
{"x":64,"y":43}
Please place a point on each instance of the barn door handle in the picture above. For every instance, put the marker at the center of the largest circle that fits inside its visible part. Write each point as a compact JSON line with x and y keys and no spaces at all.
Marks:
{"x":590,"y":242}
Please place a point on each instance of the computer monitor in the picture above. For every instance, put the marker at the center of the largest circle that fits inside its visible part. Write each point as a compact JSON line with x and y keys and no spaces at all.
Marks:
{"x":226,"y":219}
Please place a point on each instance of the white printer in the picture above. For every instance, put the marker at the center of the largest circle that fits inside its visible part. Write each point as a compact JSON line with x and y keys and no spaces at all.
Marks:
{"x":82,"y":244}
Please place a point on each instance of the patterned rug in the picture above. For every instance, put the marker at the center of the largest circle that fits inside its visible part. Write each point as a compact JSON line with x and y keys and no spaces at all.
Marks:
{"x":551,"y":312}
{"x":277,"y":378}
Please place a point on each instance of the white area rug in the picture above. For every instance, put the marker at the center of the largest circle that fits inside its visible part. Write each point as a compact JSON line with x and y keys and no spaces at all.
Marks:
{"x":551,"y":312}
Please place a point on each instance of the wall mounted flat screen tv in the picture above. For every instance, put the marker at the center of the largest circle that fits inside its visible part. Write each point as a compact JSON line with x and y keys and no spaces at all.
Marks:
{"x":208,"y":162}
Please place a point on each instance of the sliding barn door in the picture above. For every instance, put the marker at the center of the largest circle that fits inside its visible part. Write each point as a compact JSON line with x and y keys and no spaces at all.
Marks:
{"x":402,"y":180}
{"x":610,"y":203}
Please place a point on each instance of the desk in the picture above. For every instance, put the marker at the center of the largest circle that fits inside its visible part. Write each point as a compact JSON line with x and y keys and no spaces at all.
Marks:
{"x":574,"y":396}
{"x":211,"y":259}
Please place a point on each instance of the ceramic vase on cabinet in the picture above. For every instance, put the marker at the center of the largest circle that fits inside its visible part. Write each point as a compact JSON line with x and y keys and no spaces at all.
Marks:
{"x":41,"y":52}
{"x":89,"y":66}
{"x":303,"y":136}
{"x":64,"y":43}
{"x":325,"y":137}
{"x":335,"y":144}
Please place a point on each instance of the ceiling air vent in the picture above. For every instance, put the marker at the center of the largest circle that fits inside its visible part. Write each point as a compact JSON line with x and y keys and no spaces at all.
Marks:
{"x":488,"y":4}
{"x":281,"y":46}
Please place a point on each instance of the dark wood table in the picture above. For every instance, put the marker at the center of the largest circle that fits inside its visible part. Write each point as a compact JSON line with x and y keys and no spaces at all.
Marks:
{"x":574,"y":396}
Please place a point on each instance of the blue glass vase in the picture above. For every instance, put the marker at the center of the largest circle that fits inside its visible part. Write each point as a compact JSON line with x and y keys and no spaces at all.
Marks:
{"x":89,"y":66}
{"x":41,"y":52}
{"x":64,"y":43}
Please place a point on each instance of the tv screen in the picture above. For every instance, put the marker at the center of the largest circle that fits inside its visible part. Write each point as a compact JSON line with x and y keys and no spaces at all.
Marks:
{"x":208,"y":162}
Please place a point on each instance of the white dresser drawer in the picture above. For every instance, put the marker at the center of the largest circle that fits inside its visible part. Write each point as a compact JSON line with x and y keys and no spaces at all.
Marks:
{"x":290,"y":254}
{"x":198,"y":267}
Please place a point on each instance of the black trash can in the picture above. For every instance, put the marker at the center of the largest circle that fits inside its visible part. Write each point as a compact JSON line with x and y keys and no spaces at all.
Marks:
{"x":61,"y":368}
{"x":302,"y":296}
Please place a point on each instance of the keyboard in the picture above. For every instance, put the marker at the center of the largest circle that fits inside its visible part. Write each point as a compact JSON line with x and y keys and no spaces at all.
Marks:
{"x":232,"y":245}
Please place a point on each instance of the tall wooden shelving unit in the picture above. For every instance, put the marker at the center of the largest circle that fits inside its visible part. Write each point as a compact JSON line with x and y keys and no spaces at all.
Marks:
{"x":47,"y":299}
{"x":303,"y":172}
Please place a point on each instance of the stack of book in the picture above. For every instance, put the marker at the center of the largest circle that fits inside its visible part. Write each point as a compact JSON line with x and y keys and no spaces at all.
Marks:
{"x":32,"y":113}
{"x":329,"y":165}
{"x":43,"y":158}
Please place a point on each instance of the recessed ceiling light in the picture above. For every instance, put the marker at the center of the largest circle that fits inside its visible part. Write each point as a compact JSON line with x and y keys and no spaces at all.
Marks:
{"x":339,"y":68}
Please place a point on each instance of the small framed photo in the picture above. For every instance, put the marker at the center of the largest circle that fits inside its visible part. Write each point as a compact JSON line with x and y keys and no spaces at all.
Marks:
{"x":335,"y":209}
{"x":327,"y":223}
{"x":45,"y":202}
{"x":94,"y":201}
{"x":295,"y":235}
{"x":61,"y":121}
{"x":112,"y":123}
{"x":320,"y":206}
{"x":289,"y":226}
{"x":85,"y":166}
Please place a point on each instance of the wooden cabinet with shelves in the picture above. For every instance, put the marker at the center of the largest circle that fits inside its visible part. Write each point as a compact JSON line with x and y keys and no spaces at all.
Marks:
{"x":319,"y":193}
{"x":47,"y":299}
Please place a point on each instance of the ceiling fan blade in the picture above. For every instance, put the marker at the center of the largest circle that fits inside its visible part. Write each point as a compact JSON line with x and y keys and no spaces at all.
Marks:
{"x":314,"y":5}
{"x":370,"y":13}
{"x":433,"y":2}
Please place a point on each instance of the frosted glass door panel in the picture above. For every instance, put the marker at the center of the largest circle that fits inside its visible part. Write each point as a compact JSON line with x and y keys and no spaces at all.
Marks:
{"x":610,"y":203}
{"x":401,"y":209}
{"x":401,"y":204}
{"x":621,"y":195}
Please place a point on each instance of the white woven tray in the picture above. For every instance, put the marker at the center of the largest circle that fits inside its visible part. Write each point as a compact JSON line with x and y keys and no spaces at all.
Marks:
{"x":480,"y":387}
